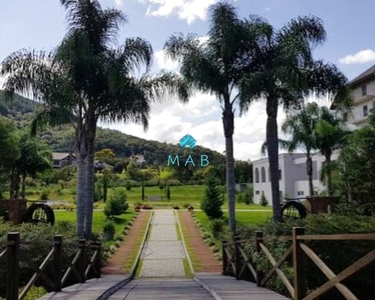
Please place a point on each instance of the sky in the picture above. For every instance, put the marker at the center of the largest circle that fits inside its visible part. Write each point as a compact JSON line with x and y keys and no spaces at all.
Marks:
{"x":40,"y":24}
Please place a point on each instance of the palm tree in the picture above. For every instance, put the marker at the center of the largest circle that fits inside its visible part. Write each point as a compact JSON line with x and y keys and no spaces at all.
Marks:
{"x":286,"y":75}
{"x":301,"y":127}
{"x":217,"y":67}
{"x":86,"y":80}
{"x":330,"y":135}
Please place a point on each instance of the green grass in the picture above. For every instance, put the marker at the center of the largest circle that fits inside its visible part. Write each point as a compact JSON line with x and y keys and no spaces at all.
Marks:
{"x":195,"y":261}
{"x":247,"y":218}
{"x":99,"y":220}
{"x":130,"y":259}
{"x":187,"y":269}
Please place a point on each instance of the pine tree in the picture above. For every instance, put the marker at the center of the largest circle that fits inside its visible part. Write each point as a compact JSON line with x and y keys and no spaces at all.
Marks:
{"x":213,"y":200}
{"x":263,"y":200}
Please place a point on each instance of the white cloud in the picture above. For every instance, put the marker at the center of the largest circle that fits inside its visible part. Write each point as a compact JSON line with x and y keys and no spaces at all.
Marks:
{"x":189,"y":10}
{"x":119,"y":3}
{"x":164,"y":62}
{"x":360,"y":57}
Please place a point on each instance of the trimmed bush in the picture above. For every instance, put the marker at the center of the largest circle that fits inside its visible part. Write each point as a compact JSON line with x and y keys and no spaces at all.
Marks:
{"x":217,"y":227}
{"x":263,"y":200}
{"x":116,"y":205}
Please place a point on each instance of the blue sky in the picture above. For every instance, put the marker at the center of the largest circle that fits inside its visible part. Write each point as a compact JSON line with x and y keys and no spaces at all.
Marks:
{"x":349,"y":24}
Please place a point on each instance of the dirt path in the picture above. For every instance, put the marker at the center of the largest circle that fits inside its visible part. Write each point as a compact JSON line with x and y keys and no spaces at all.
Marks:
{"x":208,"y":262}
{"x":132,"y":240}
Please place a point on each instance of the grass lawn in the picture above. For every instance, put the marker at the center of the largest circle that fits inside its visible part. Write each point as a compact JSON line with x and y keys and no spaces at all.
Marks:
{"x":98,"y":220}
{"x":242,"y":218}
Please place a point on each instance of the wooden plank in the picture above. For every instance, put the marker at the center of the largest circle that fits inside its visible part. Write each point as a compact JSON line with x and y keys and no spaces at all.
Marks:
{"x":300,"y":289}
{"x":338,"y":237}
{"x":349,"y":271}
{"x":328,"y":272}
{"x":278,"y":271}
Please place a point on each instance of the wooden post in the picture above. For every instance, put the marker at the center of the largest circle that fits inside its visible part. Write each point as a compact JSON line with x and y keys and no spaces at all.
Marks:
{"x":82,"y":260}
{"x":238,"y":256}
{"x":258,"y":240}
{"x":98,"y":259}
{"x":225,"y":257}
{"x":13,"y":266}
{"x":299,"y":265}
{"x":57,"y":244}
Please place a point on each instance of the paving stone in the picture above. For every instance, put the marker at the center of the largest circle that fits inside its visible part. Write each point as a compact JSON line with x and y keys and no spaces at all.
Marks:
{"x":163,"y":268}
{"x":157,"y":250}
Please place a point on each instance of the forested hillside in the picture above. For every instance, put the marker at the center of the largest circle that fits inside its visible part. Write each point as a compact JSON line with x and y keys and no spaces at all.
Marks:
{"x":61,"y":139}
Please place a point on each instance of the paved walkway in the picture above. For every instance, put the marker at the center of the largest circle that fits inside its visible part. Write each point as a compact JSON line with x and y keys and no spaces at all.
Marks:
{"x":163,"y":253}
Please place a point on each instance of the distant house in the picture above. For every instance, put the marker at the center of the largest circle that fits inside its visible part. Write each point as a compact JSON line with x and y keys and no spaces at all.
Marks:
{"x":139,"y":159}
{"x":63,"y":159}
{"x":99,"y":166}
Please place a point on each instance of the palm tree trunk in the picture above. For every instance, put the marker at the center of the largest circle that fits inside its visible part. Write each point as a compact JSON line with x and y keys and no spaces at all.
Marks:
{"x":23,"y":191}
{"x":272,"y":140}
{"x":228,"y":122}
{"x":90,"y":178}
{"x":329,"y":176}
{"x":309,"y":167}
{"x":80,"y":194}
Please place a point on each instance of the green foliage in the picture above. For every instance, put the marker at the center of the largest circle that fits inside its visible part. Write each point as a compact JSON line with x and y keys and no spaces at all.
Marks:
{"x":357,"y":169}
{"x":168,"y":192}
{"x":248,"y":196}
{"x":143,"y":191}
{"x":98,"y":195}
{"x":128,"y":186}
{"x":116,"y":204}
{"x":217,"y":227}
{"x":263,"y":200}
{"x":212,"y":201}
{"x":44,"y":195}
{"x":36,"y":243}
{"x":109,"y":227}
{"x":35,"y":292}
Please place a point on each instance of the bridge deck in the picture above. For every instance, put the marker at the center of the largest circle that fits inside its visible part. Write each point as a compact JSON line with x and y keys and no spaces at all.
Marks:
{"x":228,"y":288}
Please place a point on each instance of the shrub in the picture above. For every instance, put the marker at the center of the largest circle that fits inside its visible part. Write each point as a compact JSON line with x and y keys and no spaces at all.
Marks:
{"x":263,"y":200}
{"x":248,"y":196}
{"x":128,"y":186}
{"x":161,"y":186}
{"x":213,"y":200}
{"x":98,"y":193}
{"x":109,"y":227}
{"x":44,"y":195}
{"x":35,"y":293}
{"x":176,"y":207}
{"x":116,"y":205}
{"x":240,"y":198}
{"x":168,"y":193}
{"x":217,"y":227}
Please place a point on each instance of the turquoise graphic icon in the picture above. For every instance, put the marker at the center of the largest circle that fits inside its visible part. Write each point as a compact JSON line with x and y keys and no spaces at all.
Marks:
{"x":188,"y":141}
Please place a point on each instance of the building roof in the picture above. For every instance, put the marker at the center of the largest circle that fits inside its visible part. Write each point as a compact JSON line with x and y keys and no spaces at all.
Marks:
{"x":60,"y":155}
{"x":370,"y":72}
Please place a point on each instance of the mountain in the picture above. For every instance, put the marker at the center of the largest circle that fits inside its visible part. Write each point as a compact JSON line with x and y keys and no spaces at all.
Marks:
{"x":61,"y":138}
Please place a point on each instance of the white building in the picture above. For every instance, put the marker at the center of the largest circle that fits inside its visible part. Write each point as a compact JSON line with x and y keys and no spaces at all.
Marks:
{"x":292,"y":173}
{"x":363,"y":89}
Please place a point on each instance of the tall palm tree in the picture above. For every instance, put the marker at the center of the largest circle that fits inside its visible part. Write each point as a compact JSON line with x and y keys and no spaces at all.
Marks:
{"x":86,"y":80}
{"x":331,"y":135}
{"x":217,"y":67}
{"x":286,"y":75}
{"x":301,"y":127}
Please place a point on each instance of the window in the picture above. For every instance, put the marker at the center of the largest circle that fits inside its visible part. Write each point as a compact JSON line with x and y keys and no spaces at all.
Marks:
{"x":257,"y":175}
{"x":364,"y":90}
{"x":301,"y":193}
{"x":263,"y":174}
{"x":365,"y":111}
{"x":257,"y":192}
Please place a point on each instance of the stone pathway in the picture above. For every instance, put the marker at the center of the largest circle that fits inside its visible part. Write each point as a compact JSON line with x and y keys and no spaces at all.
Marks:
{"x":163,"y":253}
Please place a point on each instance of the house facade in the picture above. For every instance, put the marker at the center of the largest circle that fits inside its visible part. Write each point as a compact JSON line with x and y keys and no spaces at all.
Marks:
{"x":63,"y":159}
{"x":293,"y":178}
{"x":363,"y":91}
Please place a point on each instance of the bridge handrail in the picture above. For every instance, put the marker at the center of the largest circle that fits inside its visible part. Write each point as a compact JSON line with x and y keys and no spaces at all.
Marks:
{"x":238,"y":262}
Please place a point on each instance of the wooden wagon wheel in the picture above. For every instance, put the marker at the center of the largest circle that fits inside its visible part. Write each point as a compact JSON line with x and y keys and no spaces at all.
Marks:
{"x":39,"y":213}
{"x":294,"y":210}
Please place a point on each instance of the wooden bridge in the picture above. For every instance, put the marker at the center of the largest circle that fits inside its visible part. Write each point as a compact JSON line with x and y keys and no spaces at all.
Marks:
{"x":237,"y":265}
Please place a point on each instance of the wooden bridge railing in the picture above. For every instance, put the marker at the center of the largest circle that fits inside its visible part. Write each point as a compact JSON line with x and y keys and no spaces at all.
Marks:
{"x":236,"y":262}
{"x":82,"y":266}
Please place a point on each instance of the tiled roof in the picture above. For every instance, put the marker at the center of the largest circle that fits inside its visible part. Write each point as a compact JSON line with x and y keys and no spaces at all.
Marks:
{"x":60,"y":155}
{"x":366,"y":74}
